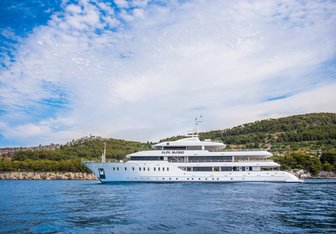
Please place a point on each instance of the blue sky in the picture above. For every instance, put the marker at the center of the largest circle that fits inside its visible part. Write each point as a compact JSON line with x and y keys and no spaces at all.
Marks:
{"x":142,"y":70}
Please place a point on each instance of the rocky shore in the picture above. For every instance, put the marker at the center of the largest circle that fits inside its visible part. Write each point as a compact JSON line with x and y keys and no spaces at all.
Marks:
{"x":46,"y":176}
{"x":302,"y":174}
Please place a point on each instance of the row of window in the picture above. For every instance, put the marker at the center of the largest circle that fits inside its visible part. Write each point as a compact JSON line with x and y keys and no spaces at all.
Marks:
{"x":217,"y":168}
{"x":195,"y":178}
{"x":144,"y":168}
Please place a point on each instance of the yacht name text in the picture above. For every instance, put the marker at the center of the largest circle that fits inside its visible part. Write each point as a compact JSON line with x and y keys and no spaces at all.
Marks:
{"x":172,"y":152}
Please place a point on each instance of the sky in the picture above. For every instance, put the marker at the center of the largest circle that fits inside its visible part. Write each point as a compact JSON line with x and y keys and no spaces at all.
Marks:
{"x":143,"y":70}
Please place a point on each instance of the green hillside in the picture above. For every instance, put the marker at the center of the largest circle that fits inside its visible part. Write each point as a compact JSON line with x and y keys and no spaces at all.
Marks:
{"x":68,"y":157}
{"x":312,"y":132}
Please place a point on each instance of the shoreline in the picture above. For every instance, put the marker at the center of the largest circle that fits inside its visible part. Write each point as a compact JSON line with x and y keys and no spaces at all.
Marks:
{"x":46,"y":176}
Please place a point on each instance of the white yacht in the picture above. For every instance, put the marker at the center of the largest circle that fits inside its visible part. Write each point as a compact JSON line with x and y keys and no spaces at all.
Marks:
{"x":192,"y":160}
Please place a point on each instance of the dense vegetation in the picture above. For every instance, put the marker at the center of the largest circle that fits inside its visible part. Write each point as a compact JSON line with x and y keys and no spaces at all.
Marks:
{"x":313,"y":164}
{"x":298,"y":142}
{"x":42,"y":165}
{"x":68,"y":157}
{"x":312,"y":132}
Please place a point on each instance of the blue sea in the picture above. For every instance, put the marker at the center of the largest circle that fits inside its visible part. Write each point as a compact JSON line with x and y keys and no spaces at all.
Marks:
{"x":91,"y":207}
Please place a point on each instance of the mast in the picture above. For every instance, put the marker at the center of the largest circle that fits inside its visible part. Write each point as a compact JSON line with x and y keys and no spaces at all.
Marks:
{"x":197,"y":121}
{"x":103,"y":158}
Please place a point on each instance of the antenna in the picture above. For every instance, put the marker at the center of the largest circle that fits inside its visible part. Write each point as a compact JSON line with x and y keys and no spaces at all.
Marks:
{"x":197,"y":121}
{"x":103,"y":159}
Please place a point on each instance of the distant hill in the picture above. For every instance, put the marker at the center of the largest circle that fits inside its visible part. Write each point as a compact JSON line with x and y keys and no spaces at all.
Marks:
{"x":307,"y":131}
{"x":87,"y":148}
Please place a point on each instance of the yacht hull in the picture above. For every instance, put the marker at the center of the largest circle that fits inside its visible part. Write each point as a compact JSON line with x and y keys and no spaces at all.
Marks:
{"x":168,"y":172}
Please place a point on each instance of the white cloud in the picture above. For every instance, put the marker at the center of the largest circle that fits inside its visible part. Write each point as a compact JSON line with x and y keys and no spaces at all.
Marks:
{"x":148,"y":77}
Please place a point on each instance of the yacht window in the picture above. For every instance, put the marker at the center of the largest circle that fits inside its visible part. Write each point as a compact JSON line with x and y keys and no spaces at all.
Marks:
{"x":175,"y":159}
{"x":148,"y":169}
{"x":194,"y":147}
{"x":214,"y":148}
{"x":235,"y":168}
{"x":250,"y":168}
{"x":139,"y":168}
{"x":216,"y":168}
{"x":113,"y":169}
{"x":133,"y":168}
{"x":117,"y":168}
{"x":174,"y":148}
{"x":144,"y":158}
{"x":125,"y":168}
{"x":202,"y":168}
{"x":154,"y":168}
{"x":144,"y":168}
{"x":226,"y":168}
{"x":162,"y":168}
{"x":210,"y":159}
{"x":167,"y":168}
{"x":158,"y":168}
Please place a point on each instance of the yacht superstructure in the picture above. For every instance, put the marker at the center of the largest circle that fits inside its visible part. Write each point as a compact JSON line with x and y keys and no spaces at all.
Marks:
{"x":192,"y":160}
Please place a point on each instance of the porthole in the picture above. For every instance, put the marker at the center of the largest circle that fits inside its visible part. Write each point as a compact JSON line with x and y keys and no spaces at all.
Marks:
{"x":133,"y":168}
{"x":117,"y":168}
{"x":139,"y":168}
{"x":170,"y":178}
{"x":167,"y":168}
{"x":147,"y":168}
{"x":125,"y":168}
{"x":199,"y":178}
{"x":163,"y":168}
{"x":187,"y":178}
{"x":206,"y":178}
{"x":158,"y":168}
{"x":144,"y":168}
{"x":154,"y":168}
{"x":217,"y":178}
{"x":113,"y":168}
{"x":176,"y":178}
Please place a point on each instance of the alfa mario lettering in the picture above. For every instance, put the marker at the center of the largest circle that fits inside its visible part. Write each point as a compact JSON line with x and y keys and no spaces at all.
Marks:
{"x":172,"y":152}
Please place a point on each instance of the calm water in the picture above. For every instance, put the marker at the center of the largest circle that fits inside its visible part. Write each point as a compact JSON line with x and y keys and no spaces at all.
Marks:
{"x":91,"y":207}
